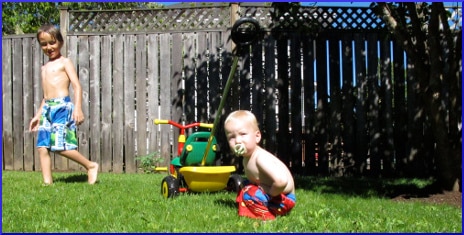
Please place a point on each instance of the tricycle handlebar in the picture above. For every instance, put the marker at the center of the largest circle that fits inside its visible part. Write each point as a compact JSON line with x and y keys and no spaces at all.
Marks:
{"x":170,"y":122}
{"x":161,"y":121}
{"x":207,"y":125}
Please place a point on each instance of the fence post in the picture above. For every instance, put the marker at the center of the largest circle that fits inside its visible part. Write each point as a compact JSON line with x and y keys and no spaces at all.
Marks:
{"x":234,"y":15}
{"x":64,"y":25}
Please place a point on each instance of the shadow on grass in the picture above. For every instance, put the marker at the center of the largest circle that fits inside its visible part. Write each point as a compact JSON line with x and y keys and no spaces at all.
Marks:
{"x":227,"y":203}
{"x":78,"y":178}
{"x":368,"y":187}
{"x":224,"y":202}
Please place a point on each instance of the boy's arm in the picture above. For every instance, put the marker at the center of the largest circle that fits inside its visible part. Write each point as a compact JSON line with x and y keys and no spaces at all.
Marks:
{"x":277,"y":179}
{"x":78,"y":115}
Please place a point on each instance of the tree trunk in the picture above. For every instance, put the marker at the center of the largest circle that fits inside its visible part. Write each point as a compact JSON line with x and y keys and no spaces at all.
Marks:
{"x":435,"y":104}
{"x":430,"y":50}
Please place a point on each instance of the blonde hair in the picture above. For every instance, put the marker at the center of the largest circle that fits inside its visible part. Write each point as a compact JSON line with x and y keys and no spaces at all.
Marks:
{"x":244,"y":115}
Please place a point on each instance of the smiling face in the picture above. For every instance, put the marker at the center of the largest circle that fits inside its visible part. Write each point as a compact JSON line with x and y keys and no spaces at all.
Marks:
{"x":50,"y":46}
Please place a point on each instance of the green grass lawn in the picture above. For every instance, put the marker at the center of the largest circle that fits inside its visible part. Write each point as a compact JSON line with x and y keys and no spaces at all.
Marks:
{"x":133,"y":203}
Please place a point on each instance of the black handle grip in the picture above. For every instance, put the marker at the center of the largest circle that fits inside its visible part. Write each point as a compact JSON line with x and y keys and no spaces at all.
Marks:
{"x":245,"y":31}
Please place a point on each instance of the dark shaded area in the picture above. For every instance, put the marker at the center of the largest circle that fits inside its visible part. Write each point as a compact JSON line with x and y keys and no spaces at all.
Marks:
{"x":396,"y":189}
{"x":72,"y":178}
{"x":389,"y":189}
{"x":448,"y":198}
{"x":225,"y":202}
{"x":405,"y":190}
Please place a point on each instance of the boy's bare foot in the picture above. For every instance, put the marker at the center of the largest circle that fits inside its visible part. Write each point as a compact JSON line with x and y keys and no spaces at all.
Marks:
{"x":92,"y":173}
{"x":47,"y":182}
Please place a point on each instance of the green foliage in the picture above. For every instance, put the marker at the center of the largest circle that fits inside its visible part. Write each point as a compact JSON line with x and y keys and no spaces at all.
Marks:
{"x":133,"y":203}
{"x":149,"y":162}
{"x":27,"y":17}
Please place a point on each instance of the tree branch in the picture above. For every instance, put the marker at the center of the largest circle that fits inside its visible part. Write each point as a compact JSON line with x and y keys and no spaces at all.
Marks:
{"x":398,"y":30}
{"x":417,"y":32}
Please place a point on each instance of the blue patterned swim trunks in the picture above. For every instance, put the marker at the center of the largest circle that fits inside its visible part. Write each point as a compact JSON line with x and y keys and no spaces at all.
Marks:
{"x":57,"y":129}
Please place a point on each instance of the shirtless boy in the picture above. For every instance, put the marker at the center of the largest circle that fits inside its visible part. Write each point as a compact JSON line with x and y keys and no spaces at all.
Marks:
{"x":271,"y":190}
{"x":57,"y":117}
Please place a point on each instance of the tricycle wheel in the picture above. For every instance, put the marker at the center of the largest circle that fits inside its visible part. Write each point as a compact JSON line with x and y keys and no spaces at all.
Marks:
{"x":235,"y":183}
{"x":169,"y":187}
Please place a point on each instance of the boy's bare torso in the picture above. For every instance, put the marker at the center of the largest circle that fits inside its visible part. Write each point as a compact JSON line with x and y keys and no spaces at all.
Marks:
{"x":253,"y":173}
{"x":55,"y":80}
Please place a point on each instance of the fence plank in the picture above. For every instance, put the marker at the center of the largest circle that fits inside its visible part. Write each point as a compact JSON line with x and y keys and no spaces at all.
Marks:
{"x":202,"y":78}
{"x":373,"y":105}
{"x":216,"y":46}
{"x":178,"y":85}
{"x":18,"y":142}
{"x":295,"y":157}
{"x":189,"y":43}
{"x":94,"y":99}
{"x":227,"y":55}
{"x":361,"y":138}
{"x":322,"y":106}
{"x":118,"y":100}
{"x":129,"y":106}
{"x":153,"y":93}
{"x":348,"y":106}
{"x":84,"y":128}
{"x":38,"y":56}
{"x":106,"y":102}
{"x":7,"y":104}
{"x":283,"y":110}
{"x":399,"y":110}
{"x":216,"y":78}
{"x":387,"y":108}
{"x":257,"y":78}
{"x":308,"y":57}
{"x":165,"y":99}
{"x":28,"y":103}
{"x":241,"y":86}
{"x":334,"y":116}
{"x":177,"y":103}
{"x":270,"y":126}
{"x":141,"y":93}
{"x":74,"y":55}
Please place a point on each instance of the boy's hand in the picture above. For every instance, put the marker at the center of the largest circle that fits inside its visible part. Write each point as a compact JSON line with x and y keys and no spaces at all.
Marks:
{"x":34,"y":124}
{"x":78,"y":116}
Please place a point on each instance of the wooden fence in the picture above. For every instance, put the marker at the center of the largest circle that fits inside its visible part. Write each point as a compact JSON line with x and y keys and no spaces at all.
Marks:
{"x":337,"y":99}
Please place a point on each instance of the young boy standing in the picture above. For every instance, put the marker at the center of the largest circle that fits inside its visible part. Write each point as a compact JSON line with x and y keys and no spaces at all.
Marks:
{"x":57,"y":117}
{"x":271,"y":190}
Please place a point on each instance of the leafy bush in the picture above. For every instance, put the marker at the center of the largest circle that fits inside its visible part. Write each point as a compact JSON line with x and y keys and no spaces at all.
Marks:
{"x":149,"y":162}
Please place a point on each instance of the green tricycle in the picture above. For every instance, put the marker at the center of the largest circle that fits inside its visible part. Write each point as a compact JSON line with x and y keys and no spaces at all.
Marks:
{"x":190,"y":171}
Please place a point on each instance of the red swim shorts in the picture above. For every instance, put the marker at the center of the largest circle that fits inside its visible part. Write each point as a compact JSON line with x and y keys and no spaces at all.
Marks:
{"x":253,"y":202}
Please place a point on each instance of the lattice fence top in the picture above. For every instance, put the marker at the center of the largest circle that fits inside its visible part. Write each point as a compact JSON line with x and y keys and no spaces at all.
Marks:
{"x":324,"y":18}
{"x":218,"y":18}
{"x":330,"y":18}
{"x":175,"y":19}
